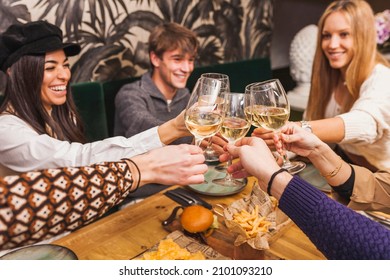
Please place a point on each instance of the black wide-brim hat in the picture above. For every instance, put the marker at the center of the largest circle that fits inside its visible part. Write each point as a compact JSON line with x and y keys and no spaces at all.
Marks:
{"x":33,"y":38}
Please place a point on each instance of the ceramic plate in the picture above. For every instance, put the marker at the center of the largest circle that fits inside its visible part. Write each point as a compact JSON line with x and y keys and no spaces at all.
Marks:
{"x":41,"y":252}
{"x":214,"y":189}
{"x":311,"y":175}
{"x":379,"y":217}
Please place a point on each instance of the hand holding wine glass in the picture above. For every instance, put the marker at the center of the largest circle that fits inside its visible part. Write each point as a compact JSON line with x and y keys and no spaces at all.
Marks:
{"x":203,"y":116}
{"x":270,"y":109}
{"x":234,"y":127}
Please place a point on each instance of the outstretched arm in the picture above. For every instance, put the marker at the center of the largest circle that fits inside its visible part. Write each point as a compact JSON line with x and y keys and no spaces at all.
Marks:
{"x":329,"y":130}
{"x":365,"y":190}
{"x":38,"y":205}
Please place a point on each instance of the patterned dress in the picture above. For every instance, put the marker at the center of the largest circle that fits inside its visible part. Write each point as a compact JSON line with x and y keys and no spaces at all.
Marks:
{"x":40,"y":205}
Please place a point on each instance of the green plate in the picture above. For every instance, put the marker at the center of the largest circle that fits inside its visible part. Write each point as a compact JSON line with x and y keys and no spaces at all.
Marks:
{"x":41,"y":252}
{"x":311,"y":175}
{"x":212,"y":189}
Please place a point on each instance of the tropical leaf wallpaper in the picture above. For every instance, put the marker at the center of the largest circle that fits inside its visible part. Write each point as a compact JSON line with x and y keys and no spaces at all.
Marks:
{"x":114,"y":33}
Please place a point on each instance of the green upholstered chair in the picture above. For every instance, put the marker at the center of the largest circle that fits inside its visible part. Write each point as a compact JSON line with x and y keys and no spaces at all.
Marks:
{"x":110,"y":89}
{"x":241,"y":73}
{"x":89,"y":99}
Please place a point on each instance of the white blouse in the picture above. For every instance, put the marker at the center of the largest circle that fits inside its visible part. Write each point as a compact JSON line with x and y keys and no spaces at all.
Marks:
{"x":367,"y":124}
{"x":23,"y":149}
{"x":333,"y":108}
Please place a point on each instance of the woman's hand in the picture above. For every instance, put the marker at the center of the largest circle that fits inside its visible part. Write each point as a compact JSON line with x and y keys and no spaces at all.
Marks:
{"x":255,"y":158}
{"x":297,"y":140}
{"x":266,"y":135}
{"x":171,"y":165}
{"x":218,"y":142}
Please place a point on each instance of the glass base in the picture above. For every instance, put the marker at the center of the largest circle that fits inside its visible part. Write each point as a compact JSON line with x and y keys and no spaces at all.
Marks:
{"x":210,"y":155}
{"x":212,"y":189}
{"x":221,"y":167}
{"x":231,"y":183}
{"x":294,"y":167}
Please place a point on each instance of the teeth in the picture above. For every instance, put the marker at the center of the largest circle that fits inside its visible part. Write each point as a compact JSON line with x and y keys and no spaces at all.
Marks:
{"x":58,"y":88}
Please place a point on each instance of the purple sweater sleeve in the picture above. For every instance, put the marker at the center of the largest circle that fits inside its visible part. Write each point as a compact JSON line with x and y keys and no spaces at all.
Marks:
{"x":337,"y":231}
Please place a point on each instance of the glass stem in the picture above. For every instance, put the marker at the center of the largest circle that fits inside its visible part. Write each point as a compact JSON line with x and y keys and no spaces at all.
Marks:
{"x":209,"y":144}
{"x":228,"y":175}
{"x":198,"y":141}
{"x":286,"y":161}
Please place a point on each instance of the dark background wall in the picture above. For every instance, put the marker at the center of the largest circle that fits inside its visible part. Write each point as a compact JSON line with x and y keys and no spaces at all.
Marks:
{"x":113,"y":34}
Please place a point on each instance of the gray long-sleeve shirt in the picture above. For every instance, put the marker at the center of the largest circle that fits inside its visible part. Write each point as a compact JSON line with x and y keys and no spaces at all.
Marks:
{"x":140,"y":105}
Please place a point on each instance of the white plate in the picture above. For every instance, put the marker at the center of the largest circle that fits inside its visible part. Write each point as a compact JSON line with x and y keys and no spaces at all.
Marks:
{"x":41,"y":252}
{"x":379,"y":217}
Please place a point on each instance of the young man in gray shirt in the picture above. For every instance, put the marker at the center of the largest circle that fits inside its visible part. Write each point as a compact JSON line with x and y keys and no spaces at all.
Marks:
{"x":161,"y":93}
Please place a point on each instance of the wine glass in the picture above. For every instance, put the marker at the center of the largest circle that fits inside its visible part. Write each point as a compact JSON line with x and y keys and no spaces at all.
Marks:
{"x":203,"y":115}
{"x":234,"y":127}
{"x":270,"y":109}
{"x":209,"y":152}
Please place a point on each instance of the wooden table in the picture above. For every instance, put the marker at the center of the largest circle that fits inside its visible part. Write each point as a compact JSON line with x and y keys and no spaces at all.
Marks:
{"x":130,"y":231}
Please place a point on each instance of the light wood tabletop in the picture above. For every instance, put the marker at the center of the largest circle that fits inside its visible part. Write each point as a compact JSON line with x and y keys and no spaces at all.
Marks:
{"x":127,"y":233}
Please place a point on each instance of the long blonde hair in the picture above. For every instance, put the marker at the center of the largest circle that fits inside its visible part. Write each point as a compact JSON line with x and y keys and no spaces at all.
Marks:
{"x":365,"y":57}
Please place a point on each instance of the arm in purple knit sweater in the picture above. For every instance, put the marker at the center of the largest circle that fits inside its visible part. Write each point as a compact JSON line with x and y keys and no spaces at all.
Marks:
{"x":337,"y":231}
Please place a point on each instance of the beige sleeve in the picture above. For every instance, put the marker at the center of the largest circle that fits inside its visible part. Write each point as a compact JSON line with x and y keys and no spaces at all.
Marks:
{"x":371,"y":191}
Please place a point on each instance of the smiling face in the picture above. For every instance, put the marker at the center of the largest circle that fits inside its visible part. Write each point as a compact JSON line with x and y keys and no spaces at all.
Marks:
{"x":172,"y":70}
{"x":55,"y":79}
{"x":337,"y":41}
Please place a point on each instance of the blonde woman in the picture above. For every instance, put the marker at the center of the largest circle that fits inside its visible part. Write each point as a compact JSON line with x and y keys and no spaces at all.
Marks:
{"x":349,"y":101}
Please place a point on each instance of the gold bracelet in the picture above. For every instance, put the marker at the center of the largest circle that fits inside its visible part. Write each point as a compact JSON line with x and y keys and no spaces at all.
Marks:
{"x":334,"y":172}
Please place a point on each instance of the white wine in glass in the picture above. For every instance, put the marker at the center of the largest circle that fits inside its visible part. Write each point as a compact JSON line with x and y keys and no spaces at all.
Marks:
{"x":203,"y":116}
{"x":203,"y":124}
{"x":271,"y":118}
{"x":209,"y":153}
{"x":234,"y":127}
{"x":270,"y":109}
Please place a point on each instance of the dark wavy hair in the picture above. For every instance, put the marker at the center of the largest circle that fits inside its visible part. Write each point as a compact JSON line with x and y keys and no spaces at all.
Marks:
{"x":23,"y":95}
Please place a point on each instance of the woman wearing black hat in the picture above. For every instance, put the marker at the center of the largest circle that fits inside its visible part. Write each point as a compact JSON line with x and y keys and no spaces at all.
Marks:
{"x":40,"y":128}
{"x":39,"y":125}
